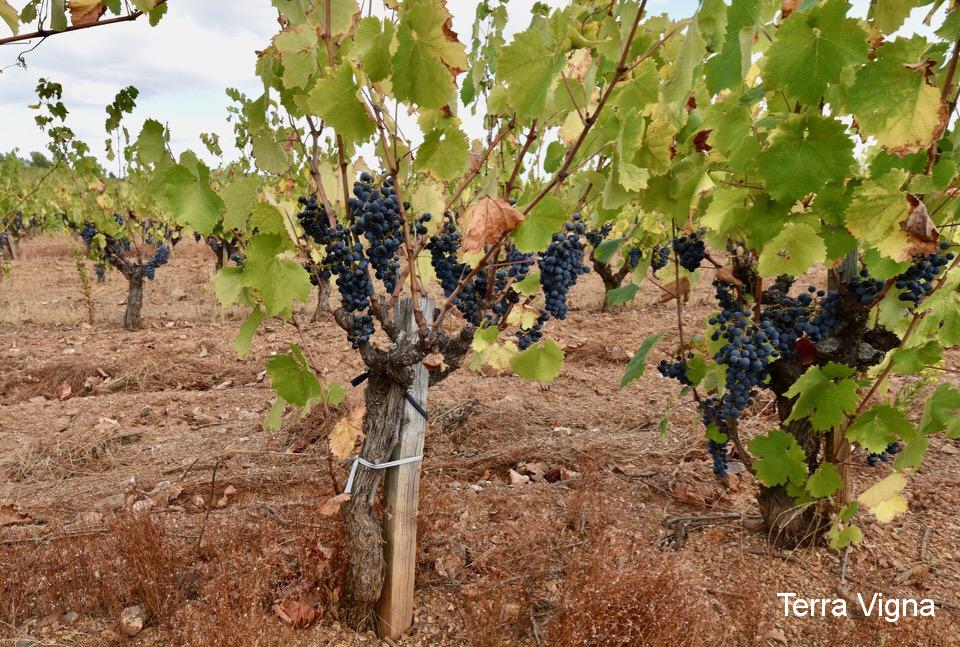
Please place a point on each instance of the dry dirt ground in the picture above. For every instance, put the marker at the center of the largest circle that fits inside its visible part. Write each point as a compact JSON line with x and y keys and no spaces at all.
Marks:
{"x":641,"y":546}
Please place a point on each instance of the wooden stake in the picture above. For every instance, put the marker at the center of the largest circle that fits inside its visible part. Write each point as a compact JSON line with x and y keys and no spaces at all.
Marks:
{"x":838,"y":445}
{"x":400,"y":493}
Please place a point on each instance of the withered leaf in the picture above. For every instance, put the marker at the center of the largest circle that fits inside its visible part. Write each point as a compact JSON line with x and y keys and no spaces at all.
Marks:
{"x":332,"y":505}
{"x":346,"y":433}
{"x":489,"y":221}
{"x":674,"y":288}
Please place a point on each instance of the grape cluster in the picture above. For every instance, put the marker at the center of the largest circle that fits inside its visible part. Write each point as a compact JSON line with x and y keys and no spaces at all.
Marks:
{"x":376,"y":214}
{"x":718,"y":452}
{"x":917,"y":280}
{"x":634,"y":254}
{"x":748,"y":352}
{"x":866,"y":288}
{"x":100,"y":269}
{"x":443,"y":247}
{"x":345,"y":260}
{"x":674,"y":370}
{"x":660,"y":257}
{"x":560,"y":266}
{"x":690,"y":250}
{"x":526,"y":338}
{"x":161,"y":257}
{"x":597,"y":236}
{"x":892,"y":449}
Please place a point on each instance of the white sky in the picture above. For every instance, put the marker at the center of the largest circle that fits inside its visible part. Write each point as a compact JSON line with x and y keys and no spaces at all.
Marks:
{"x":183,"y":65}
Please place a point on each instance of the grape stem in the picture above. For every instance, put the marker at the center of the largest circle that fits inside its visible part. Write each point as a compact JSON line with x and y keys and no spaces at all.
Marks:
{"x":531,"y":137}
{"x":44,"y":33}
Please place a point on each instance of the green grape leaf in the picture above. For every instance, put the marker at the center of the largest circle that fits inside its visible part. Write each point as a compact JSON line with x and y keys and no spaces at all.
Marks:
{"x":825,"y":481}
{"x":909,"y":361}
{"x":279,"y":281}
{"x":228,"y":285}
{"x":540,"y":363}
{"x":778,"y":459}
{"x":528,"y":67}
{"x":373,"y":46}
{"x":825,"y":395}
{"x":58,"y":15}
{"x":538,"y":227}
{"x":843,"y":537}
{"x":876,"y":211}
{"x":293,"y":380}
{"x":712,"y":22}
{"x":806,"y":152}
{"x":727,"y":69}
{"x":680,"y":84}
{"x":443,"y":153}
{"x":267,"y":219}
{"x":297,"y":48}
{"x":605,"y":250}
{"x":942,"y":315}
{"x":793,"y":251}
{"x":884,"y":500}
{"x":336,"y":101}
{"x":269,"y":153}
{"x":878,"y":427}
{"x":239,"y":196}
{"x":428,"y":55}
{"x":275,"y":415}
{"x":893,"y":101}
{"x":248,"y":329}
{"x":151,"y":144}
{"x":529,"y":285}
{"x":189,"y":197}
{"x":621,"y":295}
{"x":637,"y":365}
{"x":941,"y":410}
{"x":811,"y":49}
{"x":655,"y":153}
{"x":888,"y":15}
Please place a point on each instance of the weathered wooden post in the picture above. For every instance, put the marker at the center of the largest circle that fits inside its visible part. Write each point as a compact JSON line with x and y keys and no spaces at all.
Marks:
{"x":400,"y":494}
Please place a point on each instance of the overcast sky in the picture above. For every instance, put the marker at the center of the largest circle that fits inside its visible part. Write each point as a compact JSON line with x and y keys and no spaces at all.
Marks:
{"x":182,"y":67}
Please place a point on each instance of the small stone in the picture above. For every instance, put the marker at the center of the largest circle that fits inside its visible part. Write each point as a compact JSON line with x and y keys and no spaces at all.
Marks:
{"x":776,"y":635}
{"x":89,"y":518}
{"x":132,"y":620}
{"x":142,"y":507}
{"x":563,"y":430}
{"x":178,"y":294}
{"x":26,"y":641}
{"x":476,"y":488}
{"x":60,"y":424}
{"x":37,"y":399}
{"x":516,"y":478}
{"x":71,"y":616}
{"x":145,"y":410}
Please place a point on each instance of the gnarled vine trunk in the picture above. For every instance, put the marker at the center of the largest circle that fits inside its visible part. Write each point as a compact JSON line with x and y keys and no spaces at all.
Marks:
{"x":132,"y":318}
{"x":324,"y":290}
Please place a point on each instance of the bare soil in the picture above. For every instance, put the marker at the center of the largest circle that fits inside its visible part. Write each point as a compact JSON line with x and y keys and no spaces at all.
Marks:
{"x":92,"y":418}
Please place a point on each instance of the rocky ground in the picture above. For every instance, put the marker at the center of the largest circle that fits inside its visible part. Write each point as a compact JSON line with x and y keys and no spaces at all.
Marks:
{"x":142,"y":501}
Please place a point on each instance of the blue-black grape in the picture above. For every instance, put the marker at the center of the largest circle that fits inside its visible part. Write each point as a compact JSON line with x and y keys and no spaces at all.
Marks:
{"x":560,"y":266}
{"x":633,"y":257}
{"x":659,"y":258}
{"x":690,"y":250}
{"x":917,"y":281}
{"x":526,"y":338}
{"x":597,"y":236}
{"x":718,"y":452}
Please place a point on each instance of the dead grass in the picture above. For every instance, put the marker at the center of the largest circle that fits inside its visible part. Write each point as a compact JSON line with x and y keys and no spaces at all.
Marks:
{"x":64,"y":456}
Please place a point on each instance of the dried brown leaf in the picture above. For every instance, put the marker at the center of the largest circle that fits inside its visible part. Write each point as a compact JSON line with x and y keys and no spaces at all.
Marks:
{"x":346,"y":433}
{"x":726,"y":274}
{"x":64,"y":391}
{"x":85,"y":12}
{"x":332,"y":505}
{"x":674,"y":288}
{"x":489,"y":221}
{"x":10,"y":516}
{"x":296,"y":613}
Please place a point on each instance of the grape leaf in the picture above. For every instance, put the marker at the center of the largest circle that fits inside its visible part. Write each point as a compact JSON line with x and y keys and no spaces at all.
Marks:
{"x":811,"y":49}
{"x":637,"y":365}
{"x":336,"y":101}
{"x":541,"y":362}
{"x":58,"y":15}
{"x":893,"y":101}
{"x":227,"y":285}
{"x":279,"y":281}
{"x":793,"y":251}
{"x":824,"y":481}
{"x":443,"y":153}
{"x":293,"y":380}
{"x":428,"y":55}
{"x":248,"y":329}
{"x":825,"y":395}
{"x":727,"y":69}
{"x":778,"y":459}
{"x":888,"y":15}
{"x":806,"y":152}
{"x":878,"y":427}
{"x":884,"y":500}
{"x":151,"y":144}
{"x":190,"y":197}
{"x":528,"y":67}
{"x":942,"y":410}
{"x":908,"y":361}
{"x":239,"y":196}
{"x":876,"y":211}
{"x":297,"y":48}
{"x":538,"y":227}
{"x":372,"y":49}
{"x":621,"y":295}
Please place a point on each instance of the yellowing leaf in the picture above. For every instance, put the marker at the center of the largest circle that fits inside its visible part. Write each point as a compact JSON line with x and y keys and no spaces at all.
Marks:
{"x":884,"y":500}
{"x":85,"y":12}
{"x":346,"y":433}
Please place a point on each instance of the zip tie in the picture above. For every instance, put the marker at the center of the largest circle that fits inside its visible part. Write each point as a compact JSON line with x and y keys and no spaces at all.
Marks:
{"x":375,"y":466}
